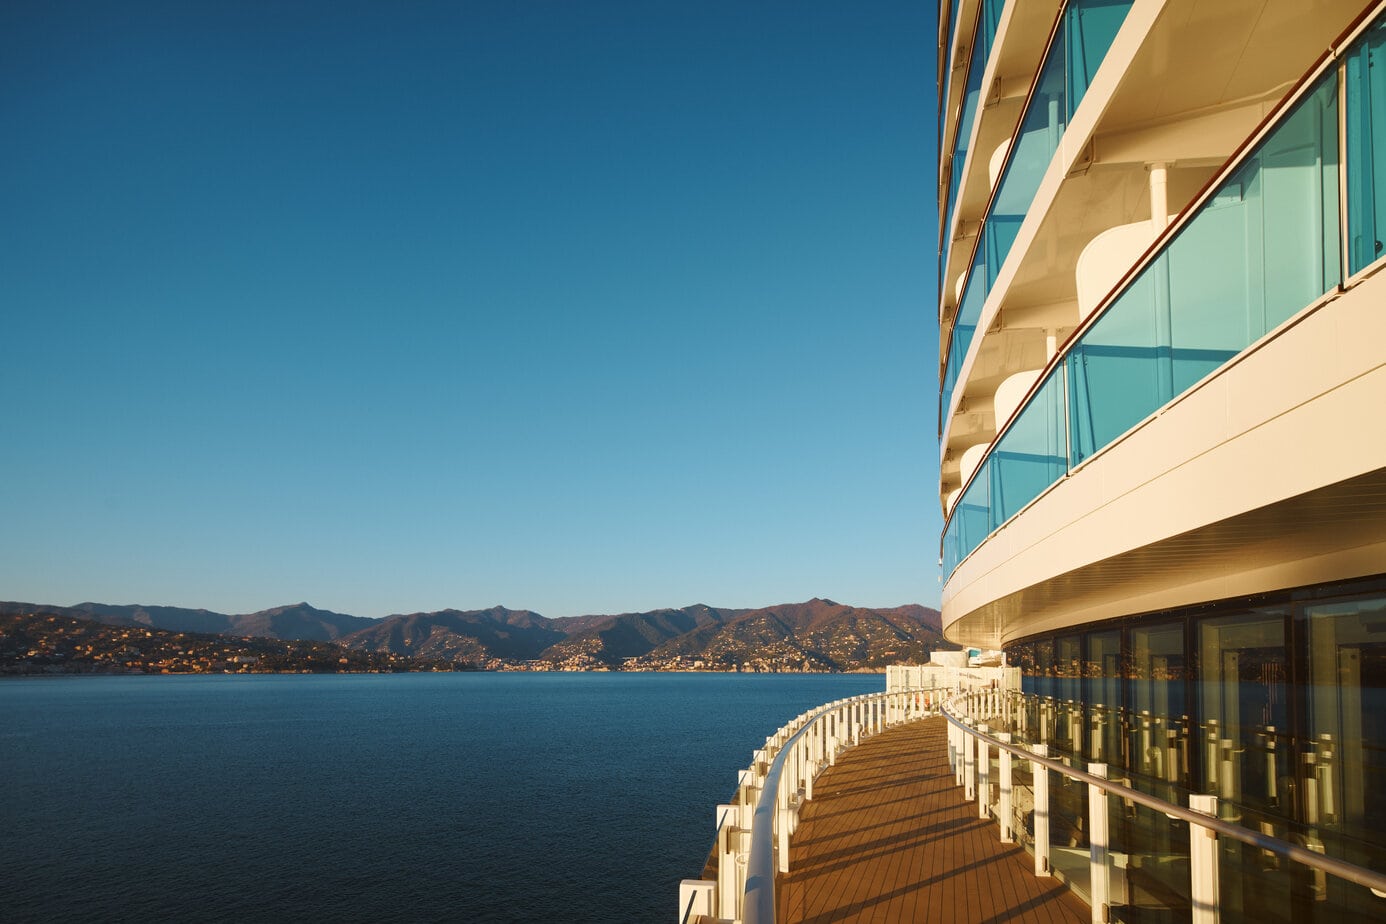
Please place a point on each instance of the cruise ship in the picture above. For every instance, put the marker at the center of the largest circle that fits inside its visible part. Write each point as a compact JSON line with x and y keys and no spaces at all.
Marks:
{"x":1162,"y":417}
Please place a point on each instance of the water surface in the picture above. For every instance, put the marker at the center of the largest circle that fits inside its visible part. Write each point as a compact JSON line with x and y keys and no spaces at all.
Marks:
{"x":406,"y":797}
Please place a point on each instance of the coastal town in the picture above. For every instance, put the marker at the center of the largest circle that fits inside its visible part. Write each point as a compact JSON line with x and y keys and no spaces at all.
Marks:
{"x":39,"y":643}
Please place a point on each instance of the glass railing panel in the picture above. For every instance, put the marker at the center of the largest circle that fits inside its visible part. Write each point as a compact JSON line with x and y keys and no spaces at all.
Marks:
{"x":974,"y":510}
{"x":989,"y":18}
{"x":964,"y":325}
{"x":1148,"y":864}
{"x":1253,"y":255}
{"x":1259,"y":251}
{"x":1089,"y":28}
{"x":1299,"y":220}
{"x":1069,"y":846}
{"x":1023,"y":803}
{"x":1257,"y":886}
{"x":998,"y":236}
{"x":951,"y":549}
{"x":1041,"y":128}
{"x":1032,"y":454}
{"x":1366,"y":148}
{"x":1113,"y":371}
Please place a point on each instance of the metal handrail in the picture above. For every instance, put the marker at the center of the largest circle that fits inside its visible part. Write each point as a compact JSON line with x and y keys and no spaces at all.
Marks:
{"x":759,"y":901}
{"x":1340,"y":868}
{"x":771,"y":820}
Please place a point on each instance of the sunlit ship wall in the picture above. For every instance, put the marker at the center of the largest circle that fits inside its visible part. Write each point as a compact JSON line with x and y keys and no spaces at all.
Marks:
{"x":1163,"y":398}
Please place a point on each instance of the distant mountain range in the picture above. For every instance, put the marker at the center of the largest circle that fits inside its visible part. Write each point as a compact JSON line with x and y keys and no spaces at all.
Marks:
{"x":818,"y":634}
{"x":298,"y":621}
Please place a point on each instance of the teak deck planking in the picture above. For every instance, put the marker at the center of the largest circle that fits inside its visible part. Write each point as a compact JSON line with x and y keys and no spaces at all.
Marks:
{"x":888,"y":838}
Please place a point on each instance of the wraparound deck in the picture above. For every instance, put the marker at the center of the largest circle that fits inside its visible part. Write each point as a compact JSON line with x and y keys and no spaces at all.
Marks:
{"x":888,"y":838}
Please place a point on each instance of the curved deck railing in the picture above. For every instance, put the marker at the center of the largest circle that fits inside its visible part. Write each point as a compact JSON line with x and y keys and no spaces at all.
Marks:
{"x":752,"y":840}
{"x":969,"y":752}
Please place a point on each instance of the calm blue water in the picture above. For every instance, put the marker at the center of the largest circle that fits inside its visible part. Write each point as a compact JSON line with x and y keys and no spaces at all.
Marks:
{"x":407,"y":797}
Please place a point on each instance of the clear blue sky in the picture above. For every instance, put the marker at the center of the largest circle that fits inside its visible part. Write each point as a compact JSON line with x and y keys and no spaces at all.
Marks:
{"x":582,"y":307}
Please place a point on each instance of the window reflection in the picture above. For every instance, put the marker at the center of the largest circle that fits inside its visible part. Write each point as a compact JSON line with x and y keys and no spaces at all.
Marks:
{"x":1278,"y":709}
{"x":1244,"y":707}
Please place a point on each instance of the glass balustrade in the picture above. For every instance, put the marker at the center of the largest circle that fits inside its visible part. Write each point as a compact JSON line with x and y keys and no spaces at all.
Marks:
{"x":1085,"y":34}
{"x":1365,"y":72}
{"x":1266,"y":243}
{"x":988,"y":19}
{"x":1276,"y":707}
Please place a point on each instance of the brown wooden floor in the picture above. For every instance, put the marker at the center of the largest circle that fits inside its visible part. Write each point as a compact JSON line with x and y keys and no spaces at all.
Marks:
{"x":888,"y":838}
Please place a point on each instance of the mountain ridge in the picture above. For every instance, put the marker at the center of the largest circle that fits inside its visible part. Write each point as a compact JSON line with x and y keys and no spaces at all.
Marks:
{"x":817,"y":634}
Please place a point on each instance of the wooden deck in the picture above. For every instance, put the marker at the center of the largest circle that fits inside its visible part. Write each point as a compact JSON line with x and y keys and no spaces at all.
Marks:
{"x":888,"y":838}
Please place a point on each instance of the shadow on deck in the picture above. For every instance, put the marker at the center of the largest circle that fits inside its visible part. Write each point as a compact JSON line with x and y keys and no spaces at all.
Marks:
{"x":888,"y":838}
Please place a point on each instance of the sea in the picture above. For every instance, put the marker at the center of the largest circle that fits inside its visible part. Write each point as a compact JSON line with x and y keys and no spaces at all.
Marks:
{"x":375,"y":797}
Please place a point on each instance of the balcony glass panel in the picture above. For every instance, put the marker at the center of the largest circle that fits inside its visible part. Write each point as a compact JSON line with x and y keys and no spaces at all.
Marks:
{"x":974,"y":509}
{"x":969,"y":312}
{"x":951,"y":550}
{"x":981,"y":50}
{"x":1366,"y":148}
{"x":1088,"y":29}
{"x":1259,"y":250}
{"x":1031,"y":455}
{"x":1113,"y":372}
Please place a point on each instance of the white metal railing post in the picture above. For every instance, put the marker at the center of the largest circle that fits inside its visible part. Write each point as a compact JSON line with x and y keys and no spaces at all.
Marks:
{"x":1040,"y":774}
{"x":1107,"y":885}
{"x":969,"y":765}
{"x":1003,"y":812}
{"x":960,"y":770}
{"x":782,"y":828}
{"x":1203,"y":863}
{"x":728,"y":821}
{"x":1099,"y":839}
{"x":983,"y":774}
{"x":809,"y":766}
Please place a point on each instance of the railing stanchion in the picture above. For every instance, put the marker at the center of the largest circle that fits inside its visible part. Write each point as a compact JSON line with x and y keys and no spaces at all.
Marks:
{"x":1040,"y":775}
{"x":729,"y":819}
{"x":983,"y":774}
{"x":1003,"y":812}
{"x":1203,"y":863}
{"x":1100,"y":887}
{"x":782,"y":828}
{"x":969,"y":765}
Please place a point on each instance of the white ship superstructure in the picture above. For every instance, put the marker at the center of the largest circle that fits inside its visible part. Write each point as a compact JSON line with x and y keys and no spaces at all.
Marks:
{"x":1163,"y":402}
